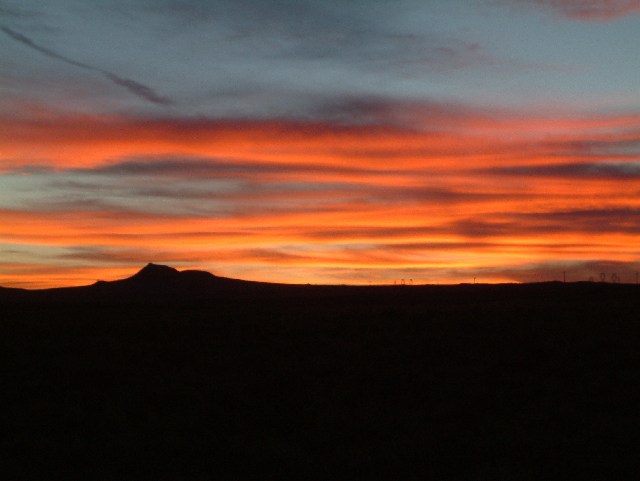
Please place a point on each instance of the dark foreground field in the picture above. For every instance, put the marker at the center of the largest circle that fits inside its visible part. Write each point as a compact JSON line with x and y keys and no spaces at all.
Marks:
{"x":532,"y":382}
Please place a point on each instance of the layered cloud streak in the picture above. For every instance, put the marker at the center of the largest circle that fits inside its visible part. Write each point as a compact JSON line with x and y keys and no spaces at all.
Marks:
{"x":437,"y":194}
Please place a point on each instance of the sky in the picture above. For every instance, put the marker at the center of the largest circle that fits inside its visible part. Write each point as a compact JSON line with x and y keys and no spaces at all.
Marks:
{"x":324,"y":142}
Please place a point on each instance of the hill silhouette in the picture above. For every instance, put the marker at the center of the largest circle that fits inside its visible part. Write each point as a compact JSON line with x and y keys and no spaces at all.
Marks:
{"x":156,"y":273}
{"x":161,"y":284}
{"x":166,"y":284}
{"x":154,"y":283}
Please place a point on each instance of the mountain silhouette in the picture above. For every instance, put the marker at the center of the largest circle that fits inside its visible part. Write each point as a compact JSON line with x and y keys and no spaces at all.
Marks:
{"x":156,"y":273}
{"x":156,"y":277}
{"x":164,"y":284}
{"x":161,"y":284}
{"x":157,"y":284}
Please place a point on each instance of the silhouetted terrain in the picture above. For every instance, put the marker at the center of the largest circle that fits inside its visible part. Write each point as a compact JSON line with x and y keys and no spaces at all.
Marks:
{"x":188,"y":376}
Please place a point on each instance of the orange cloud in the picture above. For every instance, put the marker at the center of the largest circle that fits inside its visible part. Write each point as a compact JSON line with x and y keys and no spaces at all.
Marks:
{"x":431,"y":195}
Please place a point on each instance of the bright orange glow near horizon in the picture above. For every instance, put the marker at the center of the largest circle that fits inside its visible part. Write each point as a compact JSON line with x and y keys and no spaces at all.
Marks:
{"x":322,"y":203}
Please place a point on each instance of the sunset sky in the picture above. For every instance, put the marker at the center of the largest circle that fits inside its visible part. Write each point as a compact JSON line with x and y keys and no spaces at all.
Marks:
{"x":308,"y":141}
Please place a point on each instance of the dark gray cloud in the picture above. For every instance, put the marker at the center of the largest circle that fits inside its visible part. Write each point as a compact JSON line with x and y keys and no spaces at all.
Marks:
{"x":107,"y":256}
{"x":478,"y":228}
{"x":78,"y":203}
{"x":426,"y":194}
{"x":587,"y":170}
{"x":142,"y":91}
{"x":627,"y":143}
{"x":355,"y":35}
{"x":209,"y":167}
{"x":369,"y":50}
{"x":623,"y":219}
{"x":584,"y":221}
{"x":403,"y":113}
{"x":187,"y":167}
{"x":370,"y":232}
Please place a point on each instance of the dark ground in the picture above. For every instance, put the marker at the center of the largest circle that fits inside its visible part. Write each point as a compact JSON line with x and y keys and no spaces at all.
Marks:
{"x":529,"y":382}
